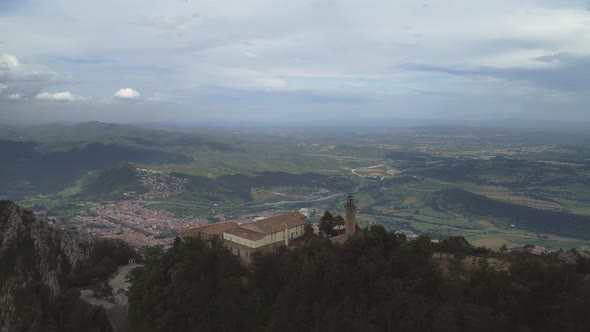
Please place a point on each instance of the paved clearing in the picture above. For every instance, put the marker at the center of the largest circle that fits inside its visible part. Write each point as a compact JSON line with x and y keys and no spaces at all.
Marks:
{"x":87,"y":295}
{"x":120,"y":279}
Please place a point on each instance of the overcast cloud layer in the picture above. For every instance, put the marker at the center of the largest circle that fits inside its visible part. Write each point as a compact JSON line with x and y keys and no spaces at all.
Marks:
{"x":270,"y":60}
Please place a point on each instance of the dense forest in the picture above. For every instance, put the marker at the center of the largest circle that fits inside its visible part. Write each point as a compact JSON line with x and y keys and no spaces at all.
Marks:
{"x":376,"y":281}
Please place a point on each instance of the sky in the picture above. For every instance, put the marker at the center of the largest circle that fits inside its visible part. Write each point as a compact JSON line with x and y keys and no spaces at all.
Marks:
{"x":293,"y":61}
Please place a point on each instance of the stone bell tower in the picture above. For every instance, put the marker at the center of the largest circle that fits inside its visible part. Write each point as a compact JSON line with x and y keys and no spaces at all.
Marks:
{"x":350,"y":216}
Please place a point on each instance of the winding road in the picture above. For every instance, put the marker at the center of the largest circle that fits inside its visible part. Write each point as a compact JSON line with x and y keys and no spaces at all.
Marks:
{"x":325,"y":198}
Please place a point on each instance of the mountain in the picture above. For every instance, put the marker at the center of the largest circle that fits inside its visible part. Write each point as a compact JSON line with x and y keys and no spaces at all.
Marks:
{"x":26,"y":171}
{"x":47,"y":159}
{"x":59,"y":137}
{"x":39,"y":267}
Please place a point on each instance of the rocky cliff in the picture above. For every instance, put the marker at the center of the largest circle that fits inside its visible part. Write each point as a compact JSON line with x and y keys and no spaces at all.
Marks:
{"x":35,"y":260}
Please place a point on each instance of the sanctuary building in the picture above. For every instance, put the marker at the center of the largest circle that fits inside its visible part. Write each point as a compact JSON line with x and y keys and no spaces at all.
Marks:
{"x":245,"y":238}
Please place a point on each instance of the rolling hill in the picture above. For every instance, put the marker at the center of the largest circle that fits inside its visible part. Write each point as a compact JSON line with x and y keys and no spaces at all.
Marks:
{"x":525,"y":217}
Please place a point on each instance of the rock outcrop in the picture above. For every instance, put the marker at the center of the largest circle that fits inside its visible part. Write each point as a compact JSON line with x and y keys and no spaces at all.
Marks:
{"x":34,"y":260}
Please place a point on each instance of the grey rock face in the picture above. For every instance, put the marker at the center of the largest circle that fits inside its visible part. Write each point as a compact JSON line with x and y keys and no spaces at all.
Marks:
{"x":31,"y":255}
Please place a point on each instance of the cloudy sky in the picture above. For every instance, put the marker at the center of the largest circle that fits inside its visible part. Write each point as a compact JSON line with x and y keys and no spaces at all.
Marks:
{"x":270,"y":60}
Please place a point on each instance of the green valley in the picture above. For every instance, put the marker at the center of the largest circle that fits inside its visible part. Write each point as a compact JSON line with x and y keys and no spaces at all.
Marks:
{"x":493,"y":186}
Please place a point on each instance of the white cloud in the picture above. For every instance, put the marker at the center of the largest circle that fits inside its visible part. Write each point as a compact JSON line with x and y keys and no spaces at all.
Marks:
{"x":27,"y":79}
{"x":15,"y":96}
{"x":126,"y":93}
{"x":12,"y":70}
{"x":60,"y":96}
{"x":8,"y":62}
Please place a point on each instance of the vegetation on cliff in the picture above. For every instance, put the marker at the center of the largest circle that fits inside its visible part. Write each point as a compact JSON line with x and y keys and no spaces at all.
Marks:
{"x":39,"y":268}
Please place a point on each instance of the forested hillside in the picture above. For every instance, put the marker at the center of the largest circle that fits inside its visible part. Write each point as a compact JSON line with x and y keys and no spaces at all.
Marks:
{"x":48,"y":158}
{"x":536,"y":220}
{"x":376,"y":281}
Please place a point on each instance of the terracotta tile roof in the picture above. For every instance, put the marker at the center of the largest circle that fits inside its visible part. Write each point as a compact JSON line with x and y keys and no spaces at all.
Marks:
{"x":246,"y":233}
{"x":252,"y":231}
{"x":191,"y":232}
{"x":216,"y":229}
{"x":220,"y":227}
{"x":277,"y":223}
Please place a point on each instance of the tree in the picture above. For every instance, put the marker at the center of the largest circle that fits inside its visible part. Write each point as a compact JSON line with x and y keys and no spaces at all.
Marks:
{"x":328,"y":224}
{"x":102,"y":290}
{"x":190,"y":287}
{"x":307,"y":230}
{"x":456,"y":245}
{"x":375,"y":281}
